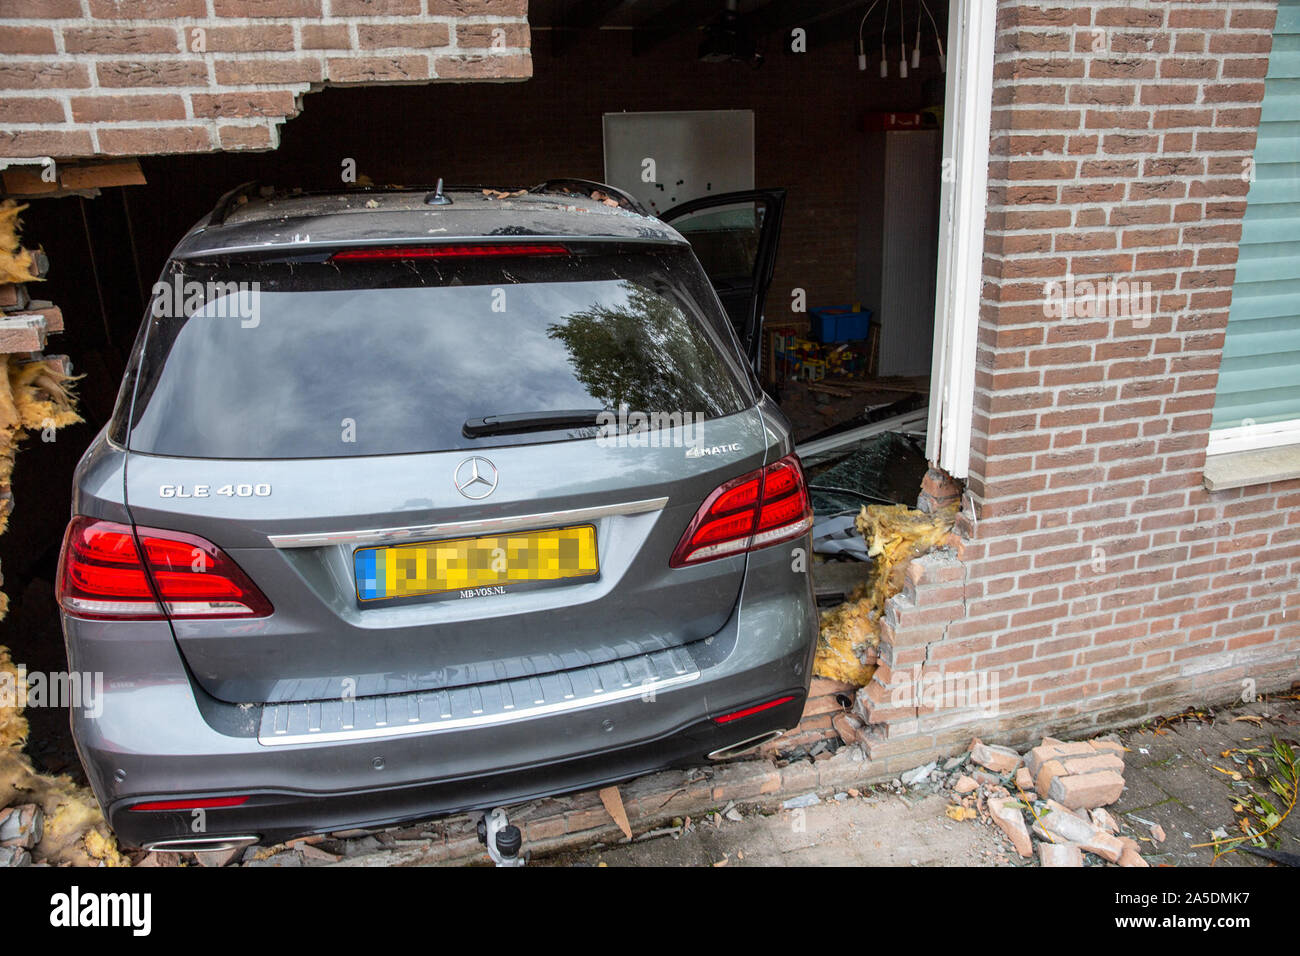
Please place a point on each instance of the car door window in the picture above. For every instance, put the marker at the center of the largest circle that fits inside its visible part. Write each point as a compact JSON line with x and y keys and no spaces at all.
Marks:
{"x":734,"y":237}
{"x":725,"y":240}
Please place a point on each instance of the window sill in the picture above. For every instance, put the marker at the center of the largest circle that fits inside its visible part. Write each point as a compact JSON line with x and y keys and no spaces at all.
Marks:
{"x":1241,"y":469}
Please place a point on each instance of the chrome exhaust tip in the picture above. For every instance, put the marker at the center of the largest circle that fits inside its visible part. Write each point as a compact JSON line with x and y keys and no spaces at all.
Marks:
{"x":201,"y":844}
{"x":745,"y":746}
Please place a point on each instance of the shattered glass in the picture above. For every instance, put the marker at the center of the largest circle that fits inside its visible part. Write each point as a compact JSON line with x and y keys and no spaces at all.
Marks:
{"x":882,"y":469}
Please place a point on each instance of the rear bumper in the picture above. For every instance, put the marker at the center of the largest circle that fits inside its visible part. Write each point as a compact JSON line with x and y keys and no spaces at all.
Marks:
{"x":159,"y":737}
{"x":272,"y":816}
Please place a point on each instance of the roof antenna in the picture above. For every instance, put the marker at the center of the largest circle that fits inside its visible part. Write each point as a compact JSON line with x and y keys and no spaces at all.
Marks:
{"x":436,"y":198}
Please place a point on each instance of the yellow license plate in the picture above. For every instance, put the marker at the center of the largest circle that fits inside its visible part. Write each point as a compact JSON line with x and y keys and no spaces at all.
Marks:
{"x":496,"y":564}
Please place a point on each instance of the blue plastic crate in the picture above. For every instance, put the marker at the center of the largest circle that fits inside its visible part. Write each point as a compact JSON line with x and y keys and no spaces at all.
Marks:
{"x":840,"y":323}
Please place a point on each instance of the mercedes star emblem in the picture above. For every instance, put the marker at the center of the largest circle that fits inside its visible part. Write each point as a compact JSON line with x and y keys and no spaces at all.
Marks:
{"x":476,"y":477}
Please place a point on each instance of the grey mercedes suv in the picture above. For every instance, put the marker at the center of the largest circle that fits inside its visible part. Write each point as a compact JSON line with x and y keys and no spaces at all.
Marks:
{"x":417,"y":502}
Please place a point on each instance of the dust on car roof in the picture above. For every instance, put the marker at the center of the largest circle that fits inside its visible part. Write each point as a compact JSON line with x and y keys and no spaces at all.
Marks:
{"x":367,"y":217}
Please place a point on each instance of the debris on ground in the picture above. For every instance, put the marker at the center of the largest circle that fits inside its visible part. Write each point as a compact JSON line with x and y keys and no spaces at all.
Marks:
{"x":1058,"y":824}
{"x":1059,"y":854}
{"x":918,"y":774}
{"x":1103,"y":820}
{"x":995,"y":786}
{"x":613,"y":802}
{"x":1007,"y":816}
{"x":997,"y":759}
{"x":1275,"y":769}
{"x":1078,"y":775}
{"x":806,"y":800}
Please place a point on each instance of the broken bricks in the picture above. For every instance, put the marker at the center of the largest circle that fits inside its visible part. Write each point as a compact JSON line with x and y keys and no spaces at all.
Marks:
{"x":1131,"y":856}
{"x":1000,"y":760}
{"x":1006,"y":814}
{"x":1078,"y":772}
{"x":1082,"y":790}
{"x":1059,"y":854}
{"x":1082,"y":775}
{"x":918,"y":775}
{"x":14,"y":856}
{"x":1060,"y":824}
{"x":22,"y":826}
{"x":850,"y":729}
{"x":1103,"y":820}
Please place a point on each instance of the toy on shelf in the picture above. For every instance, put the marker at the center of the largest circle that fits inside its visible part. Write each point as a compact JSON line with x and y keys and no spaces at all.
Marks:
{"x":844,"y":344}
{"x":840,"y":323}
{"x":813,"y":370}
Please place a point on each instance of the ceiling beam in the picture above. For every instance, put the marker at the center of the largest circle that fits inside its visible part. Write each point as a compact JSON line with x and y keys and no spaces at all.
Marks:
{"x":577,"y":17}
{"x":788,"y":14}
{"x":684,"y":16}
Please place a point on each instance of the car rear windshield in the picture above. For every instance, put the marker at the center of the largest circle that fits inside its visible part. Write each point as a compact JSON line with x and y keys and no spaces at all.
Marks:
{"x":325,"y":359}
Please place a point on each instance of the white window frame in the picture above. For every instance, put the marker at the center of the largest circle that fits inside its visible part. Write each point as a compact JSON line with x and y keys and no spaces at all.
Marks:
{"x":1253,"y":437}
{"x":1253,"y":453}
{"x":963,"y":204}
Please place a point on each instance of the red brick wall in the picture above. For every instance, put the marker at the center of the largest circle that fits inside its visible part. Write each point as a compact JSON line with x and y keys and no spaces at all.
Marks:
{"x":1098,"y":579}
{"x":138,"y":77}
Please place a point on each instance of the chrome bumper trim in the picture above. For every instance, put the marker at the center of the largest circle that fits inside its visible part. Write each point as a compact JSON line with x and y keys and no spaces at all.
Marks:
{"x":465,"y":529}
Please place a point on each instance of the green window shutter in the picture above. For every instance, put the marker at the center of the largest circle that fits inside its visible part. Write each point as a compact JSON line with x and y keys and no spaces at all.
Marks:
{"x":1259,"y":380}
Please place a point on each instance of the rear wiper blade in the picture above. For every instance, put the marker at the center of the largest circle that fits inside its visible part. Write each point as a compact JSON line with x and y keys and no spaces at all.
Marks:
{"x":518,"y":422}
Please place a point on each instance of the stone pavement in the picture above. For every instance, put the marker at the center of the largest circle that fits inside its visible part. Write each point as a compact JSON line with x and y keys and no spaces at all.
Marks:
{"x":1172,"y":781}
{"x":860,"y":816}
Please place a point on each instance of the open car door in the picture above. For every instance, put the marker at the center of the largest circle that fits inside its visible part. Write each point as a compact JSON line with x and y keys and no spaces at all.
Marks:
{"x":735,"y":236}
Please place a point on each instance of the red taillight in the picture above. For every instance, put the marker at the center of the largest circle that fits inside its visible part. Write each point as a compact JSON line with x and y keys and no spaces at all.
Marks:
{"x":450,"y":252}
{"x":749,"y":711}
{"x":203,"y":803}
{"x":761,"y":508}
{"x":109,"y":571}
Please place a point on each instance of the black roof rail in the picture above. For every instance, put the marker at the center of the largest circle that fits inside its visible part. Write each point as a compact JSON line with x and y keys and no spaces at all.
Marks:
{"x":585,"y":187}
{"x":227,"y":203}
{"x":231,"y":200}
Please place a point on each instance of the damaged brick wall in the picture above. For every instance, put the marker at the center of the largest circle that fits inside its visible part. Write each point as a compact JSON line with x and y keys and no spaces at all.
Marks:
{"x":1094,"y":575}
{"x":136,"y":77}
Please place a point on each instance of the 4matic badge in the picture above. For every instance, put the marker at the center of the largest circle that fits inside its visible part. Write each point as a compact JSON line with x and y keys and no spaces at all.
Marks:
{"x":700,"y":451}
